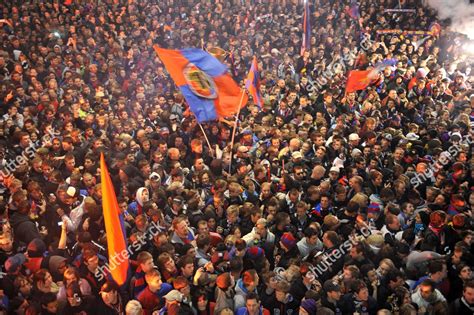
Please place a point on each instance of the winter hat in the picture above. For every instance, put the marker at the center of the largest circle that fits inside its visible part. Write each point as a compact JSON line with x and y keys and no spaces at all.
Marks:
{"x":36,"y":248}
{"x":255,"y":252}
{"x":375,"y":240}
{"x":288,"y":240}
{"x":174,"y":295}
{"x":14,"y":262}
{"x":224,"y":281}
{"x":309,"y":305}
{"x":373,"y":208}
{"x":220,"y":255}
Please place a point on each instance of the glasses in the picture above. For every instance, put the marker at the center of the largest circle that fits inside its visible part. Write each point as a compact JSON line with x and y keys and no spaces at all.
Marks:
{"x":300,"y":173}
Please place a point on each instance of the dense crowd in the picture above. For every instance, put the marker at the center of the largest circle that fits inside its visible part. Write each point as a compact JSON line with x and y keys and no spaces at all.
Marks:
{"x":327,"y":203}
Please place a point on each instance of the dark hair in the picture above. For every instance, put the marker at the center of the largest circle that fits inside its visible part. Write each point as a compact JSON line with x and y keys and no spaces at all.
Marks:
{"x":436,"y":266}
{"x":252,"y":296}
{"x":358,"y":285}
{"x":183,"y":261}
{"x":48,"y":298}
{"x":109,"y":286}
{"x":469,"y":284}
{"x":393,"y":275}
{"x":309,"y":232}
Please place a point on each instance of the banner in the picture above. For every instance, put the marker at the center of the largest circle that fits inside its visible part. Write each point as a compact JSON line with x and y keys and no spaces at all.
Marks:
{"x":405,"y":33}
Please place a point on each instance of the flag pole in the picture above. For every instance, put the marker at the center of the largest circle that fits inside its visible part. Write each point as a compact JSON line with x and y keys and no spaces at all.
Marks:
{"x":205,"y":137}
{"x":235,"y":128}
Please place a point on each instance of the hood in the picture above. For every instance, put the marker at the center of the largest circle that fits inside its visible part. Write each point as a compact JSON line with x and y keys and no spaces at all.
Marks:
{"x":240,"y":288}
{"x":18,"y":218}
{"x":54,"y":263}
{"x":138,"y":195}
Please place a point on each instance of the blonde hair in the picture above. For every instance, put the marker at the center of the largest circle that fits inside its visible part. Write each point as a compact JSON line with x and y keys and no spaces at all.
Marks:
{"x":361,"y":199}
{"x":133,"y":308}
{"x":232,"y":210}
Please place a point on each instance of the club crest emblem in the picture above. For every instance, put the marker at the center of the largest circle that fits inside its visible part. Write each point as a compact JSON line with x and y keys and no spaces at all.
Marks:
{"x":199,"y":82}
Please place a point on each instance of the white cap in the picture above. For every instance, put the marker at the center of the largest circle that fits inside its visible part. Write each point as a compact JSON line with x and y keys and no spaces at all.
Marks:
{"x":71,"y":191}
{"x":155,"y":176}
{"x":334,"y":169}
{"x":296,"y":155}
{"x":353,"y":137}
{"x":412,"y":136}
{"x":356,"y":152}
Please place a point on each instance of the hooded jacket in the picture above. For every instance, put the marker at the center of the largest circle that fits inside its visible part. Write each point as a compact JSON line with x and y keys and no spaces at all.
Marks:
{"x":240,"y":294}
{"x":24,"y":229}
{"x":422,"y":303}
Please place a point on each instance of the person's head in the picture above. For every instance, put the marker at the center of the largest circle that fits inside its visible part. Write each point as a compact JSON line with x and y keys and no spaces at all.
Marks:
{"x":252,"y":303}
{"x":153,"y":279}
{"x":426,"y":289}
{"x":181,"y":284}
{"x":225,"y":281}
{"x":166,"y":262}
{"x":74,"y":294}
{"x":360,"y":290}
{"x":394,"y":278}
{"x":109,"y":293}
{"x":145,"y":259}
{"x":311,"y":236}
{"x":200,"y":300}
{"x":438,"y":270}
{"x":49,"y":302}
{"x":357,"y":251}
{"x":332,"y":289}
{"x":180,"y":226}
{"x":464,"y":271}
{"x":91,"y":260}
{"x":281,"y":291}
{"x":23,"y":285}
{"x":133,"y":307}
{"x":186,"y":266}
{"x":330,"y":239}
{"x":468,"y":292}
{"x":250,"y":279}
{"x":392,"y":222}
{"x":71,"y":274}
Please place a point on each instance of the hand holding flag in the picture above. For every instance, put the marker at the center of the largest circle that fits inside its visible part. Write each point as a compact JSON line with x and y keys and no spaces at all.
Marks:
{"x":252,"y":83}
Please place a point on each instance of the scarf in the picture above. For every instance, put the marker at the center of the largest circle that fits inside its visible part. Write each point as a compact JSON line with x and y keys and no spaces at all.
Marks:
{"x":436,"y":230}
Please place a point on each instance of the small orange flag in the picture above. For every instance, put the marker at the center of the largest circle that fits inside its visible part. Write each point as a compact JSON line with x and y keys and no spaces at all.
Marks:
{"x":358,"y":80}
{"x":116,"y":244}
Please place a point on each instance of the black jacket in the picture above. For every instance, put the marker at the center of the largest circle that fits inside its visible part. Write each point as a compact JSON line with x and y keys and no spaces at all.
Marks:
{"x":25,"y":230}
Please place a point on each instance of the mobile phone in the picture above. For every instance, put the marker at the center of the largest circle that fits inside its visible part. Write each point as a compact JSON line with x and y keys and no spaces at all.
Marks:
{"x":60,"y":224}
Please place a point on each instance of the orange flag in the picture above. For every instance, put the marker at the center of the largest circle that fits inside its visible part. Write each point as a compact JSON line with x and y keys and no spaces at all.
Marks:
{"x":116,"y":245}
{"x":358,"y":80}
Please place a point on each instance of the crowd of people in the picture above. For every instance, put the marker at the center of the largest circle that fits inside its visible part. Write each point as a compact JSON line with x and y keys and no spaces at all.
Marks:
{"x":327,"y":203}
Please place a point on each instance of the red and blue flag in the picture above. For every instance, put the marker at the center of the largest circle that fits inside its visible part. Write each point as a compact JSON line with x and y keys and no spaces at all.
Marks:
{"x":353,"y":11}
{"x":305,"y":45}
{"x":204,"y":81}
{"x":252,"y":84}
